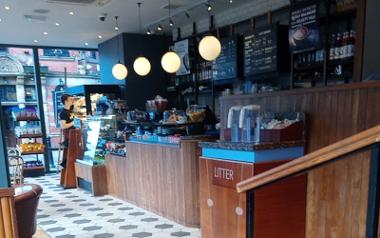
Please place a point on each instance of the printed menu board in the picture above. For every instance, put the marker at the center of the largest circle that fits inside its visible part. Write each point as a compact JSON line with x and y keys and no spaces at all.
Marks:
{"x":304,"y":29}
{"x":225,"y":66}
{"x":260,"y":51}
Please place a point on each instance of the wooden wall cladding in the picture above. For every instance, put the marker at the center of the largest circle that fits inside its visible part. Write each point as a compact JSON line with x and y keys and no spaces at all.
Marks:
{"x":333,"y":113}
{"x":161,"y":179}
{"x":279,"y":210}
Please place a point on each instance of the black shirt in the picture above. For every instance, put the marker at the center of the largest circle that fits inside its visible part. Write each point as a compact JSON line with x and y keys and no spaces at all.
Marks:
{"x":67,"y":116}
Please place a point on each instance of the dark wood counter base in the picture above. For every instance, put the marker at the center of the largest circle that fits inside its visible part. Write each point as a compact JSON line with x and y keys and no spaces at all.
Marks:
{"x":162,"y":179}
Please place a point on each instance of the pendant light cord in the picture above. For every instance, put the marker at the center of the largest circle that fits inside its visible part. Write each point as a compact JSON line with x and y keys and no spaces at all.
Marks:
{"x":118,"y":39}
{"x":169,"y":10}
{"x":139,"y":6}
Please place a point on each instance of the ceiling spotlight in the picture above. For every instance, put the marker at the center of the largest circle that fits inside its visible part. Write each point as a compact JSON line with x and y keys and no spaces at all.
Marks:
{"x":7,"y":8}
{"x":116,"y":24}
{"x":148,"y":32}
{"x":45,"y":33}
{"x":230,"y":1}
{"x":100,"y":37}
{"x":209,"y":8}
{"x":35,"y":41}
{"x":159,"y":28}
{"x":86,"y":44}
{"x":116,"y":28}
{"x":71,"y":13}
{"x":57,"y":24}
{"x":0,"y":20}
{"x":171,"y":23}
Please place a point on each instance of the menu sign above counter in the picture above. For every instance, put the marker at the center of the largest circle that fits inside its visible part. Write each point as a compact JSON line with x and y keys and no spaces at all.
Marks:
{"x":260,"y":51}
{"x":304,"y":30}
{"x":225,"y":66}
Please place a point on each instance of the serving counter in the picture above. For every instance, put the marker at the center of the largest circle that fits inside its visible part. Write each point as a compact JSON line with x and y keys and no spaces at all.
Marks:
{"x":162,"y":178}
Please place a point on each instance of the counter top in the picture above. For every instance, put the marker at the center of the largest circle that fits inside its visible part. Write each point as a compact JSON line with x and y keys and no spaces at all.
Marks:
{"x":243,"y":146}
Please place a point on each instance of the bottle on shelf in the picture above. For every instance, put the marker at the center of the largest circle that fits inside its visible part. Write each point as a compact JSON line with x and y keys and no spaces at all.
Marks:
{"x":337,"y":48}
{"x":332,"y":47}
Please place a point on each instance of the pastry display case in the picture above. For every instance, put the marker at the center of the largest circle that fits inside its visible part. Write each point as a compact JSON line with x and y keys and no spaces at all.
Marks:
{"x":101,"y":136}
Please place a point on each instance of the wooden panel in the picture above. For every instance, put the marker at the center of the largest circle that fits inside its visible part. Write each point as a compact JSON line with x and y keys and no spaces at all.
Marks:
{"x":161,"y":179}
{"x":96,"y":175}
{"x":220,"y":219}
{"x":8,"y":224}
{"x":356,"y":110}
{"x":337,"y":198}
{"x":279,"y":210}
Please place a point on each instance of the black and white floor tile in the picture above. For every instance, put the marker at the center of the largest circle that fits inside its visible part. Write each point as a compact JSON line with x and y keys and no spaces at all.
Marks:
{"x":74,"y":213}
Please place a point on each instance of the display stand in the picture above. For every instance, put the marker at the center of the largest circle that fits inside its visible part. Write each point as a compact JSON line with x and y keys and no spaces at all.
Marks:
{"x":72,"y":153}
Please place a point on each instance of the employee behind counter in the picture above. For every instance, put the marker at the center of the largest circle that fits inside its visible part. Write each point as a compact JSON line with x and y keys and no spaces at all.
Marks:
{"x":67,"y":122}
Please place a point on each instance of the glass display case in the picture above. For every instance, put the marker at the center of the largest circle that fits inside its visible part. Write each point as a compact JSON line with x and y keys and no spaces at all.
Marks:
{"x":101,"y":136}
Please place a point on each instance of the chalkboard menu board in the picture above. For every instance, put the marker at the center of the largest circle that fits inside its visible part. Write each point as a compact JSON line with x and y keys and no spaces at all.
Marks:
{"x":225,"y":66}
{"x":260,"y":51}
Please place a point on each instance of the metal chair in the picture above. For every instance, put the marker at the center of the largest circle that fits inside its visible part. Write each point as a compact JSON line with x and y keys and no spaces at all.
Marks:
{"x":16,"y":166}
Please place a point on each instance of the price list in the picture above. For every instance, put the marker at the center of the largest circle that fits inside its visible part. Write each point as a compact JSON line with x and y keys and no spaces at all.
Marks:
{"x":225,"y":66}
{"x":260,"y":51}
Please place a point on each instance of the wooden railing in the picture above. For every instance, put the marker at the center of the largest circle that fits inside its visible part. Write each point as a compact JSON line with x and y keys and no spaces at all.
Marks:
{"x":312,"y":160}
{"x":8,"y":224}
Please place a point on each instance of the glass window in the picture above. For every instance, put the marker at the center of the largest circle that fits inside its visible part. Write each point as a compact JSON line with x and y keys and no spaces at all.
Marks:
{"x":8,"y":93}
{"x":30,"y":93}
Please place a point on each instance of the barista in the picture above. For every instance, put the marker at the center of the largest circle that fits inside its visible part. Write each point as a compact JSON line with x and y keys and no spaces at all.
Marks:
{"x":67,"y":122}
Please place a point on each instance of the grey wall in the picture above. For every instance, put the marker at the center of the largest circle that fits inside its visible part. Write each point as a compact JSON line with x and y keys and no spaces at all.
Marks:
{"x":371,"y":62}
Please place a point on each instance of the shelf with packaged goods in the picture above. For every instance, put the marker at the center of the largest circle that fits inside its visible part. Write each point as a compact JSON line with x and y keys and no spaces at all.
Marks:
{"x":28,"y":136}
{"x":32,"y":152}
{"x":35,"y":168}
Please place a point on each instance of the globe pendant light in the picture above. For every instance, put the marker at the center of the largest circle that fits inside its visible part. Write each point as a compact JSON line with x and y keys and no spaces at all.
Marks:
{"x":141,"y":65}
{"x":170,"y":61}
{"x":119,"y":71}
{"x":209,"y":47}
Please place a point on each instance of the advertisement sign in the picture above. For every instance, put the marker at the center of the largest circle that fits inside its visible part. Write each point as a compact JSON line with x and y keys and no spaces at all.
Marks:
{"x":304,"y":29}
{"x":182,"y":49}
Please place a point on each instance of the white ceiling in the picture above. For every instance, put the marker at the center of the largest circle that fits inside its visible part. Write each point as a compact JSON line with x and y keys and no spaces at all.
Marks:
{"x":84,"y":26}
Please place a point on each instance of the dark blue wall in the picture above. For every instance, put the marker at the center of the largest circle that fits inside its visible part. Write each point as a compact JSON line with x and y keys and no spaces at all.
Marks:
{"x":138,"y":89}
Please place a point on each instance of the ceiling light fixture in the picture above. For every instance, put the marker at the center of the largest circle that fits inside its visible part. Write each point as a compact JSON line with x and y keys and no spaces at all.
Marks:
{"x":209,"y":47}
{"x":141,"y":65}
{"x":100,"y":37}
{"x":171,"y":23}
{"x":209,"y":8}
{"x":35,"y":41}
{"x":230,"y":1}
{"x":86,"y":44}
{"x":7,"y":8}
{"x":159,"y":27}
{"x":148,"y":32}
{"x":119,"y":71}
{"x":71,"y":13}
{"x":45,"y":33}
{"x":0,"y":20}
{"x":57,"y":24}
{"x":170,"y":61}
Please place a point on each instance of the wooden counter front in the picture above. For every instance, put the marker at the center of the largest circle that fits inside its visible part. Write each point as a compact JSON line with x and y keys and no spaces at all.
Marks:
{"x":163,"y":179}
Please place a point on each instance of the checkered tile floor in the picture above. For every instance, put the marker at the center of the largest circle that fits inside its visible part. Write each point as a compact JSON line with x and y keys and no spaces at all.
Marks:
{"x":74,"y":213}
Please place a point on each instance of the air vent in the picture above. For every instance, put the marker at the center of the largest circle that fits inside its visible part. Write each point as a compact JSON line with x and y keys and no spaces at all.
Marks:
{"x":35,"y":18}
{"x":99,"y":3}
{"x":41,"y":11}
